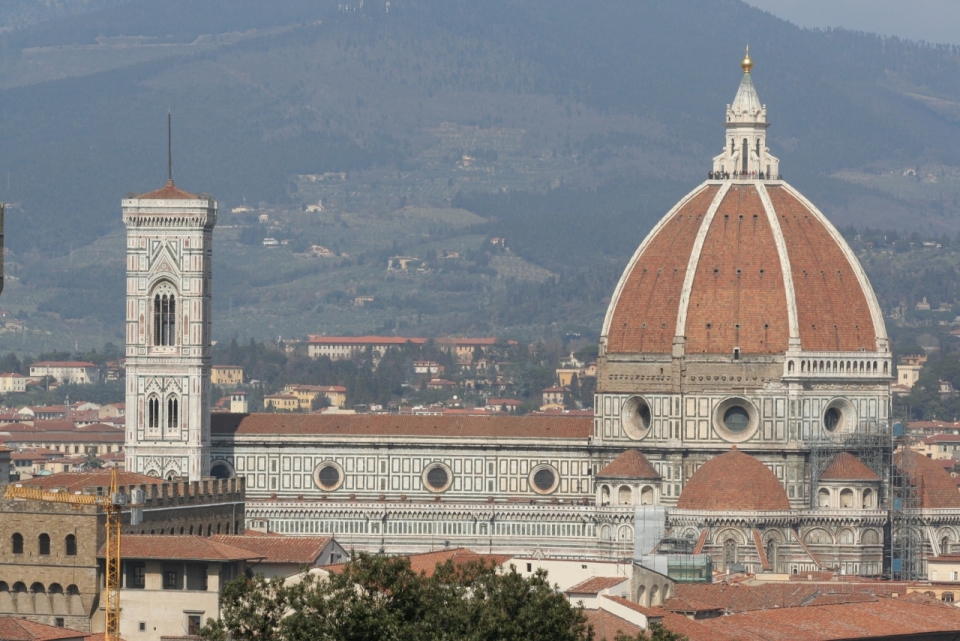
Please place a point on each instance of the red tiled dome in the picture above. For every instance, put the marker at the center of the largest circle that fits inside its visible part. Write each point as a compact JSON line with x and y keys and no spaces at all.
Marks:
{"x":935,"y":487}
{"x":631,"y":464}
{"x":733,"y":481}
{"x":711,"y":274}
{"x":847,"y":467}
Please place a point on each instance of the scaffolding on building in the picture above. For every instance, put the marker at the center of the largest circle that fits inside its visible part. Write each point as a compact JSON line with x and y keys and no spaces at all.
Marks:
{"x":906,"y":525}
{"x":876,"y":444}
{"x":871,"y":442}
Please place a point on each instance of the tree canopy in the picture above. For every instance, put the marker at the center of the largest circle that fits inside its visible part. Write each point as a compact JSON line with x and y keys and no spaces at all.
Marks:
{"x":377,"y":597}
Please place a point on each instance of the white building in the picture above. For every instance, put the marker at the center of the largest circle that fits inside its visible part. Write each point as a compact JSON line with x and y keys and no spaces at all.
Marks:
{"x":74,"y":372}
{"x":169,"y":251}
{"x":13,"y":382}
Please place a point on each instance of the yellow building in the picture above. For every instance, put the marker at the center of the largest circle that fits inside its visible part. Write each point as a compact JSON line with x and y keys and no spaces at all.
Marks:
{"x":284,"y":402}
{"x":226,"y":375}
{"x":307,"y":394}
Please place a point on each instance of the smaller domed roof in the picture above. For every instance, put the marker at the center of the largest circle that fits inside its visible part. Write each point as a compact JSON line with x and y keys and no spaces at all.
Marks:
{"x":847,"y":467}
{"x":934,"y":486}
{"x":734,"y":481}
{"x":631,"y":464}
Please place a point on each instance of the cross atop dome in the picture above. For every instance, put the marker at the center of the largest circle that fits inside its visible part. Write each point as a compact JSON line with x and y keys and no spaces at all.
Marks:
{"x":745,"y":154}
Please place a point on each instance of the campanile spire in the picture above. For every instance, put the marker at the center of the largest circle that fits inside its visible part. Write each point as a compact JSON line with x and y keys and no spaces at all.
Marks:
{"x":745,"y":153}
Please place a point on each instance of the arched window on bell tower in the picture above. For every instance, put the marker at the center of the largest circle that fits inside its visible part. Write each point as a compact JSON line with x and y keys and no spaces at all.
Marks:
{"x":153,"y":412}
{"x":164,"y":316}
{"x":173,"y":413}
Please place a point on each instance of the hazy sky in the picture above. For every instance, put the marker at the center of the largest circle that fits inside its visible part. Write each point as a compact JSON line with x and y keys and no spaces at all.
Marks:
{"x":930,"y":20}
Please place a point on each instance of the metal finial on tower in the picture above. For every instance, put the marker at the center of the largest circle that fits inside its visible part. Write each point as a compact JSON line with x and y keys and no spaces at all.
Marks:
{"x":747,"y":63}
{"x":169,"y":146}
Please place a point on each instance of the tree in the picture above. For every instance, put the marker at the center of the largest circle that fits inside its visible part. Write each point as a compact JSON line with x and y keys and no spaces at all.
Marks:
{"x":377,"y":597}
{"x":92,"y":461}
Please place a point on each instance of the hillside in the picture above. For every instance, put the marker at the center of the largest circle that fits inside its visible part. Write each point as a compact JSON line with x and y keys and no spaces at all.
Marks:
{"x":566,"y":128}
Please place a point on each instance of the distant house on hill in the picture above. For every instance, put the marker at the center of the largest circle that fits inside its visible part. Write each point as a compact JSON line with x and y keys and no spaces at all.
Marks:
{"x":74,"y":372}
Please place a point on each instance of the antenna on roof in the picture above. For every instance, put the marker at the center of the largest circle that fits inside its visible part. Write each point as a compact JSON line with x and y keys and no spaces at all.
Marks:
{"x":169,"y":146}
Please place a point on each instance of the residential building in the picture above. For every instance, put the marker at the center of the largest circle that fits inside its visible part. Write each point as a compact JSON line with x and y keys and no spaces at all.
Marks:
{"x":62,"y":436}
{"x":286,"y":556}
{"x":73,"y":372}
{"x":427,"y":367}
{"x":555,"y":396}
{"x":226,"y":375}
{"x":336,"y":395}
{"x":282,"y":402}
{"x":172,"y":584}
{"x":940,"y":446}
{"x":12,"y":382}
{"x":503,"y":404}
{"x":348,"y":347}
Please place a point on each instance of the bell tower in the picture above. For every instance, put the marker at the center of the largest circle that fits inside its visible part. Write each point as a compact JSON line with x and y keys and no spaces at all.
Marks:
{"x":169,"y":251}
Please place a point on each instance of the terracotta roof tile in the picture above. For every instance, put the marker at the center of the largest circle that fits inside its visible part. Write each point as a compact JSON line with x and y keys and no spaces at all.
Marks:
{"x":16,"y":629}
{"x":833,"y":312}
{"x":883,"y":618}
{"x":596,"y":584}
{"x":607,"y":626}
{"x":697,"y":630}
{"x":77,"y":481}
{"x":496,"y":426}
{"x":304,"y":550}
{"x":168,"y":192}
{"x":738,"y":298}
{"x":679,"y":604}
{"x":181,"y":548}
{"x":650,"y":613}
{"x":644,"y":318}
{"x":733,"y":481}
{"x":743,"y":598}
{"x":631,"y":464}
{"x":847,"y":467}
{"x":935,"y":487}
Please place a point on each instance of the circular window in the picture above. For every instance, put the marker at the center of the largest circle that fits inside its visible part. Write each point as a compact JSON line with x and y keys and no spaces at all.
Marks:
{"x":839,"y":416}
{"x":328,"y":476}
{"x":736,"y":419}
{"x":437,"y":477}
{"x":636,"y":417}
{"x":832,"y":419}
{"x":544,"y":479}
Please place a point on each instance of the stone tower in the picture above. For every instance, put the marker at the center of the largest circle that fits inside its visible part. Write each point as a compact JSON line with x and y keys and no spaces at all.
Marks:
{"x":169,"y":251}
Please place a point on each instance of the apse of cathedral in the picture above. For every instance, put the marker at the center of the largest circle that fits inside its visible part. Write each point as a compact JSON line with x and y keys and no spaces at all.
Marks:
{"x":742,"y":413}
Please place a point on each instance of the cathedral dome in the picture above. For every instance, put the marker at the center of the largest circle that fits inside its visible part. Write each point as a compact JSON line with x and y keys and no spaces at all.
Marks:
{"x":935,"y":488}
{"x":733,"y":481}
{"x":744,"y":264}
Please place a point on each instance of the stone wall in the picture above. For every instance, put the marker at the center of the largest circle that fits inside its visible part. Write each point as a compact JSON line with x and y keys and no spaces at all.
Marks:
{"x":46,"y":587}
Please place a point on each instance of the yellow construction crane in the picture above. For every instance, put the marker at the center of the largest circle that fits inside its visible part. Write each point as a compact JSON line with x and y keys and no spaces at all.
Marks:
{"x":112,"y":504}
